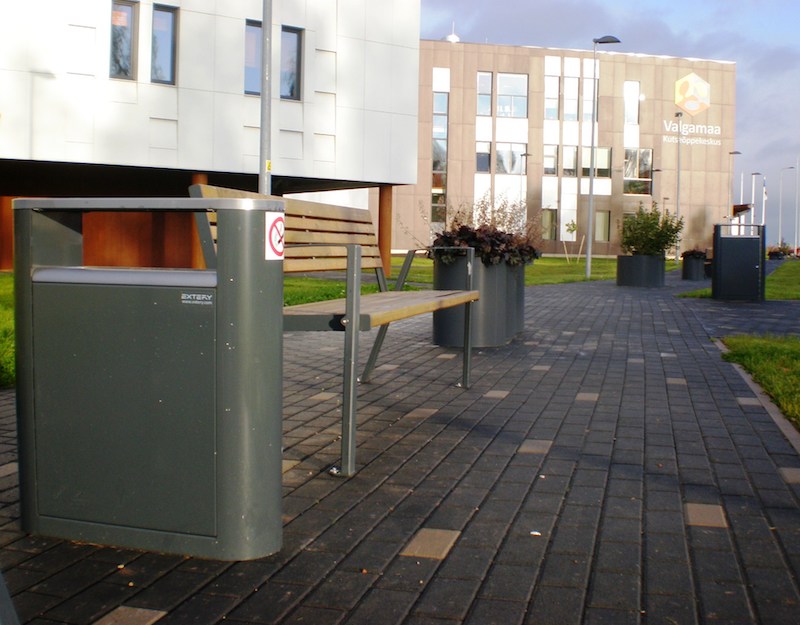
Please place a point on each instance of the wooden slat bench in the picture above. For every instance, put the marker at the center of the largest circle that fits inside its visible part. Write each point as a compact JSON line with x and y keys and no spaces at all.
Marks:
{"x":322,"y":237}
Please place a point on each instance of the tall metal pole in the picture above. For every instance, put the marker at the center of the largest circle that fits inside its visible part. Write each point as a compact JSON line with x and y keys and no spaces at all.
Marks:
{"x":730,"y":181}
{"x":265,"y":163}
{"x":763,"y":200}
{"x":679,"y":114}
{"x":780,"y":205}
{"x":753,"y":196}
{"x":590,"y":210}
{"x":796,"y":206}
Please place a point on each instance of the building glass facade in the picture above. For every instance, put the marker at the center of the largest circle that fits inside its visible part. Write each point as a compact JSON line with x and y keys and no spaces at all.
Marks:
{"x":519,"y":131}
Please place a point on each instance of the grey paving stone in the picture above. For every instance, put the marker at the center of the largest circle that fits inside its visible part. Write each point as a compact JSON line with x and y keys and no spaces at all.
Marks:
{"x":587,"y":528}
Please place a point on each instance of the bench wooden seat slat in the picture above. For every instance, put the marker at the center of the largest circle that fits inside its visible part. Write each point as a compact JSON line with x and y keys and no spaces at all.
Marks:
{"x":294,"y":222}
{"x":378,"y":309}
{"x":322,"y":237}
{"x":327,"y":251}
{"x":310,"y":265}
{"x":300,"y":237}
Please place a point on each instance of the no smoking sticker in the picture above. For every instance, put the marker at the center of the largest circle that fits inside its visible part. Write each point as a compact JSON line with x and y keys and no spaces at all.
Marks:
{"x":275,"y":235}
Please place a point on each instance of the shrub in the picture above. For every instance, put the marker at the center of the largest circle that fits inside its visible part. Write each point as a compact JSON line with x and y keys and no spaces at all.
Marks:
{"x":650,"y":233}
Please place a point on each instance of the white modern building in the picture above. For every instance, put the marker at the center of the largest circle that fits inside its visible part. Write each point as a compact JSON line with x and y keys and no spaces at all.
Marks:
{"x":135,"y":97}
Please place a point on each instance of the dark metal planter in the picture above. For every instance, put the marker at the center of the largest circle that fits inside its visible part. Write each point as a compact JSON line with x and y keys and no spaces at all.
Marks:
{"x":497,"y":316}
{"x":640,"y":270}
{"x":694,"y":268}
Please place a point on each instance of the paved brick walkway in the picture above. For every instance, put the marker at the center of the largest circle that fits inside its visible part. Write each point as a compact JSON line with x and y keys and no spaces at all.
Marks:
{"x":606,"y":467}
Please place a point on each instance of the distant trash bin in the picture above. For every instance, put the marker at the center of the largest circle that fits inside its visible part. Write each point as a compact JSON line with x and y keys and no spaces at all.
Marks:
{"x":149,"y":400}
{"x":739,"y":267}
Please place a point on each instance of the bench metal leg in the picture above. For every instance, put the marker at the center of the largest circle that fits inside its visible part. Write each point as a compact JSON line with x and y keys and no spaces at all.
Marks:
{"x":373,"y":354}
{"x":467,"y":366}
{"x":399,"y":284}
{"x":349,"y":393}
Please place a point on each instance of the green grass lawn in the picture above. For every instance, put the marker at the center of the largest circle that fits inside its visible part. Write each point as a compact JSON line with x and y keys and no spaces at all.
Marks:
{"x":548,"y":270}
{"x":782,"y":284}
{"x":6,"y":330}
{"x":302,"y":290}
{"x":774,"y":362}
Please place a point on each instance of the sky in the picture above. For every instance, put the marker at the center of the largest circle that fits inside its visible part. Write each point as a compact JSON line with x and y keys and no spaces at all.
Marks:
{"x":760,"y":36}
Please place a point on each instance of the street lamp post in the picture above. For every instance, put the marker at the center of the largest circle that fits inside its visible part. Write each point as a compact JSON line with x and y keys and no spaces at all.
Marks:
{"x":265,"y":140}
{"x":780,"y":205}
{"x":796,"y":206}
{"x":679,"y":114}
{"x":590,"y":212}
{"x":753,"y":196}
{"x":733,"y":154}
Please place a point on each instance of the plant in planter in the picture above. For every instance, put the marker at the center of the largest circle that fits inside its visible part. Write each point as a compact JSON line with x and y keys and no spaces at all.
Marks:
{"x":492,"y":246}
{"x":646,"y":236}
{"x":499,"y":276}
{"x":694,"y":265}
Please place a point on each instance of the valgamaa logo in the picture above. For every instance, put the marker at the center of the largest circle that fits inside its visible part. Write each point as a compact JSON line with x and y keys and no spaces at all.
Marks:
{"x":692,"y":94}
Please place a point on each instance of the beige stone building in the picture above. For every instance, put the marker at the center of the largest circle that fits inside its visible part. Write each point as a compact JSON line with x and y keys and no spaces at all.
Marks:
{"x":512,"y":127}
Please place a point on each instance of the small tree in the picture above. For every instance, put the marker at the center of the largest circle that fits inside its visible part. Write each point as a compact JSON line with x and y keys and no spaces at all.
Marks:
{"x":650,"y":233}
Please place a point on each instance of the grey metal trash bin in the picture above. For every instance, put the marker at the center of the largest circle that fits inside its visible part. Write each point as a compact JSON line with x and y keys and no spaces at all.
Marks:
{"x":149,"y":400}
{"x":739,"y":269}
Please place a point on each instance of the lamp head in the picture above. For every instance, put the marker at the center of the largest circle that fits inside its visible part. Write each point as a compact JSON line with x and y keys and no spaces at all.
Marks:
{"x":606,"y":39}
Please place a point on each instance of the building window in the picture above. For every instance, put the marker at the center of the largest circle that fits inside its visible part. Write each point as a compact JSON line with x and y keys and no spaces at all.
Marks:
{"x":484,"y":106}
{"x":512,"y":95}
{"x":165,"y":32}
{"x":441,"y":104}
{"x":631,"y":99}
{"x":551,"y":88}
{"x":571,"y":99}
{"x":252,"y":57}
{"x":483,"y":156}
{"x":602,"y":162}
{"x":549,"y":224}
{"x":440,"y":155}
{"x":570,"y":160}
{"x":123,"y":35}
{"x":291,"y":62}
{"x":550,"y":160}
{"x":602,"y":226}
{"x":510,"y":158}
{"x":638,"y":178}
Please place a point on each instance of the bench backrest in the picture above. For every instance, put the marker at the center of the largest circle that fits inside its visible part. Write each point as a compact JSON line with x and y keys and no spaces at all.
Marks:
{"x":315,"y":233}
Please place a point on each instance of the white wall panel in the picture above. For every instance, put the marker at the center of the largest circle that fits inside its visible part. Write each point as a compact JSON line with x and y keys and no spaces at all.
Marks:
{"x":403,"y":151}
{"x":196,"y":131}
{"x":549,"y":192}
{"x":322,"y":19}
{"x":377,"y":126}
{"x":571,"y":133}
{"x":441,"y":79}
{"x":602,"y":186}
{"x":512,"y":130}
{"x":482,"y":186}
{"x":352,"y":18}
{"x":379,"y":80}
{"x":551,"y":132}
{"x":484,"y":130}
